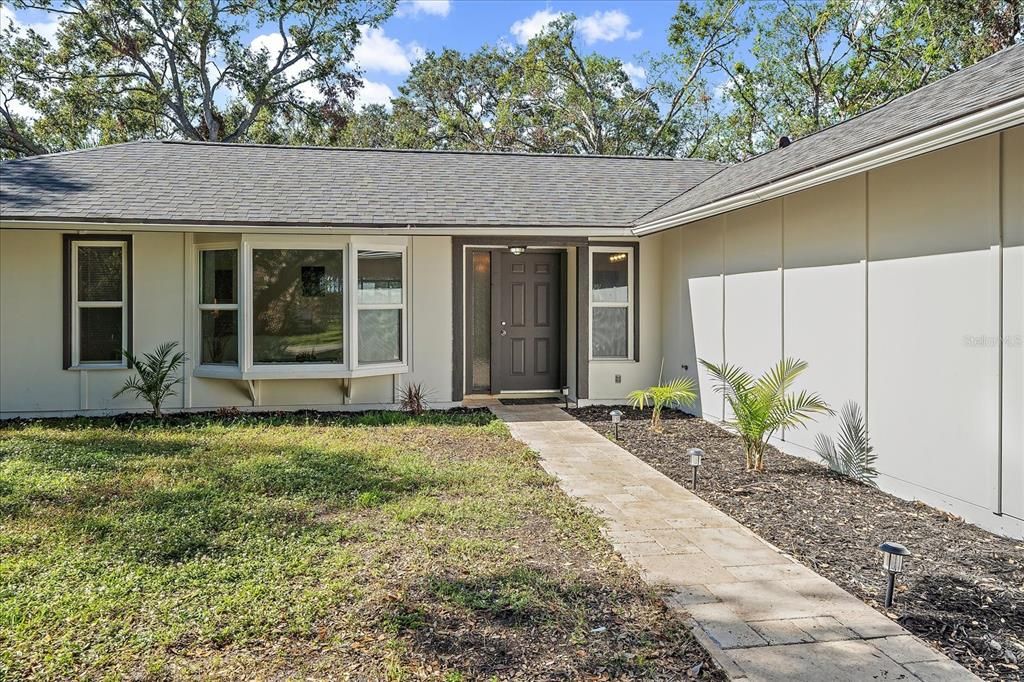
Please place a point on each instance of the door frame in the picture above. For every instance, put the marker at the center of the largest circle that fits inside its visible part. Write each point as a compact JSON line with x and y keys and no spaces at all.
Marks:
{"x":461,"y":247}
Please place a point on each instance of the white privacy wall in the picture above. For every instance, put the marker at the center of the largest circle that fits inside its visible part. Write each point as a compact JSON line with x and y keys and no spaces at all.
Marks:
{"x":902,"y":288}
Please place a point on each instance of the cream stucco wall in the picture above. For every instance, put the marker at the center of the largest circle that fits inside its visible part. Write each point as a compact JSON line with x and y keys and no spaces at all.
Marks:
{"x":32,"y":380}
{"x":902,"y":288}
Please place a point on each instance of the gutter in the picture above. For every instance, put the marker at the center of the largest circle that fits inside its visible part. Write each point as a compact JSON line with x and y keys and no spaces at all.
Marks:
{"x":993,"y":119}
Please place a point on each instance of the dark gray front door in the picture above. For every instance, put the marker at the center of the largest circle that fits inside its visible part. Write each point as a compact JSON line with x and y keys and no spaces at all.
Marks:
{"x":529,"y":322}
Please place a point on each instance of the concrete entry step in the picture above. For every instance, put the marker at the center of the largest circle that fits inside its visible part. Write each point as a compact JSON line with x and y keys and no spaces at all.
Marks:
{"x":762,"y":615}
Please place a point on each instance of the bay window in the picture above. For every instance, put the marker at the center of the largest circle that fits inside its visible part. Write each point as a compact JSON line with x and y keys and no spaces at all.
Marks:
{"x":97,"y":301}
{"x":611,"y":303}
{"x":276,"y":307}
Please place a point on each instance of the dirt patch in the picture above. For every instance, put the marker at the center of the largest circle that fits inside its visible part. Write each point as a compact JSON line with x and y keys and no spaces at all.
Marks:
{"x":962,"y":590}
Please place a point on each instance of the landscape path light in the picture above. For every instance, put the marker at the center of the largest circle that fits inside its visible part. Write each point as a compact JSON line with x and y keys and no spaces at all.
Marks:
{"x":696,"y":455}
{"x":892,"y":560}
{"x":565,"y":394}
{"x":616,"y":418}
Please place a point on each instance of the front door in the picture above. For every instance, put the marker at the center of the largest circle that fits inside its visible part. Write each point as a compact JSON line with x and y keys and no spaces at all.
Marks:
{"x":529,"y":322}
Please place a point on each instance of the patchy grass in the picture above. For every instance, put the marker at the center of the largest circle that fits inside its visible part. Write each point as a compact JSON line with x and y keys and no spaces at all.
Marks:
{"x":374,"y":546}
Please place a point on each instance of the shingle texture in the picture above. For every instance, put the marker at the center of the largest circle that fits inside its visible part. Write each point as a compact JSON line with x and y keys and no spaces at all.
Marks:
{"x":991,"y":81}
{"x":225,"y":184}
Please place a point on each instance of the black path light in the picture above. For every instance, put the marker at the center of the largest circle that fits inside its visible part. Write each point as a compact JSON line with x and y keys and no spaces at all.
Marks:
{"x":565,"y":394}
{"x":892,"y":560}
{"x":616,"y":416}
{"x":696,"y":455}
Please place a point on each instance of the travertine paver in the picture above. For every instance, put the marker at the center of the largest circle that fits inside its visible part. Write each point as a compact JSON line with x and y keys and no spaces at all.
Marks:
{"x":762,"y":615}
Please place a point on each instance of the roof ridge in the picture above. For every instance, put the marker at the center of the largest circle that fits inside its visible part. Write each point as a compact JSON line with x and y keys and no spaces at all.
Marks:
{"x":944,"y":80}
{"x":468,"y":152}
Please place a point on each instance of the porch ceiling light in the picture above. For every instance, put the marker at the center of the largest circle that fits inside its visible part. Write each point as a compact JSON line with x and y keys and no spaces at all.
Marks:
{"x":616,"y":416}
{"x":517,"y":250}
{"x":892,"y":560}
{"x":696,"y":456}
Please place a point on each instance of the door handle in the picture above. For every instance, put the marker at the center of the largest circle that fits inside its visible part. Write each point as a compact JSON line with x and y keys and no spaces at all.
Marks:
{"x":503,"y":332}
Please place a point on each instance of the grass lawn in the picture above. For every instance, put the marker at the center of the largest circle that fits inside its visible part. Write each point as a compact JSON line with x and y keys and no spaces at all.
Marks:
{"x":367,"y":547}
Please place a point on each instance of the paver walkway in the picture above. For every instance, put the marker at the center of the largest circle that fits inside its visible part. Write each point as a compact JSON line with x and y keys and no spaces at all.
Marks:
{"x":762,"y":615}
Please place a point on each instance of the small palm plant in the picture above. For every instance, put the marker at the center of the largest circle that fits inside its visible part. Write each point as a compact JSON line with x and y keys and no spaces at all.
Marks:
{"x":851,"y":454}
{"x":673,"y":394}
{"x":156,"y":375}
{"x":763,"y":405}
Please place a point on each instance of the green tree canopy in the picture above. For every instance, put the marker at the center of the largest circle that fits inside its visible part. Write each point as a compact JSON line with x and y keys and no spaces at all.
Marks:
{"x":737,"y":75}
{"x":123,"y":69}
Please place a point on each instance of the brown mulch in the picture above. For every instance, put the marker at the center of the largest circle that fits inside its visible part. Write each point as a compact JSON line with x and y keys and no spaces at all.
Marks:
{"x":962,"y":590}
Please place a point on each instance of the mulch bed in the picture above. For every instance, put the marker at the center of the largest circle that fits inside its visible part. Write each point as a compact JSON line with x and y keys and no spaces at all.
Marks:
{"x":962,"y":590}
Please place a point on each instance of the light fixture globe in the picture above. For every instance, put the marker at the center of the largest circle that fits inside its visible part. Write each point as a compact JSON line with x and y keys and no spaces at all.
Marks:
{"x":696,"y":455}
{"x":517,"y":250}
{"x":616,"y":416}
{"x":892,"y":556}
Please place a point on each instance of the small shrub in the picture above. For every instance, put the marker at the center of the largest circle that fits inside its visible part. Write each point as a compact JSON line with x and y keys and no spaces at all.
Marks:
{"x":763,"y":405}
{"x":155,"y":381}
{"x":676,"y":393}
{"x":412,"y":398}
{"x":852,"y":454}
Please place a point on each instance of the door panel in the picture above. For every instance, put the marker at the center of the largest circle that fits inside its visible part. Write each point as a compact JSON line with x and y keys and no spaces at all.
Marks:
{"x":528,"y":323}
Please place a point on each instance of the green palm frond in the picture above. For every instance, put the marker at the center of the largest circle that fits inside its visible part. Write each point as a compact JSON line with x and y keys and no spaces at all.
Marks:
{"x":763,"y":405}
{"x":156,"y":374}
{"x":676,"y":393}
{"x":853,"y":455}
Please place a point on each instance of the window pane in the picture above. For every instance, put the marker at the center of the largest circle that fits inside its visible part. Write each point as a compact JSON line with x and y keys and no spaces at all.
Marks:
{"x":100,"y":334}
{"x":481,"y":320}
{"x":611,"y":332}
{"x":99,"y":273}
{"x":219,"y":336}
{"x":297,"y":305}
{"x":380,"y":333}
{"x":611,"y":277}
{"x":380,"y":277}
{"x":218,"y":276}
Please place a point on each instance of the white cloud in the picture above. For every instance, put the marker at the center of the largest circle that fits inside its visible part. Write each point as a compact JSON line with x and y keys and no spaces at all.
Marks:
{"x":373,"y":93}
{"x":606,"y":26}
{"x":637,"y":74}
{"x":533,"y":25}
{"x":378,"y":52}
{"x":437,"y":8}
{"x":273,"y":42}
{"x":47,"y":29}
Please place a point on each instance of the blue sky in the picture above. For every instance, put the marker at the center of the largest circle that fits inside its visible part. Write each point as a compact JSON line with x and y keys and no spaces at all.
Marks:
{"x":625,"y":29}
{"x":620,"y":28}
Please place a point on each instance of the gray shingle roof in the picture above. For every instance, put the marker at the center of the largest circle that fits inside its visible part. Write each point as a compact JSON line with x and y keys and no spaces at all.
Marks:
{"x":232,"y":184}
{"x":994,"y":80}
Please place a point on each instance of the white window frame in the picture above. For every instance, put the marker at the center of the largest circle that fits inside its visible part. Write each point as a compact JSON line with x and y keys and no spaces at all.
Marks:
{"x":349,"y":245}
{"x":77,"y":306}
{"x":212,"y":369}
{"x":628,"y":304}
{"x":357,"y":246}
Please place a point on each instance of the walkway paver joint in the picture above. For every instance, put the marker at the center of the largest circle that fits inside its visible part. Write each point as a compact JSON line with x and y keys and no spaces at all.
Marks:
{"x":761,"y":615}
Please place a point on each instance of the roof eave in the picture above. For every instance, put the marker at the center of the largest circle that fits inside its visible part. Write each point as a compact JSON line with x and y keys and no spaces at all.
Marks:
{"x":962,"y":129}
{"x":517,"y":230}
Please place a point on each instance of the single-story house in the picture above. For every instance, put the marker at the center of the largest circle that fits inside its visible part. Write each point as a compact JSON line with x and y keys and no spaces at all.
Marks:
{"x":887,"y":251}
